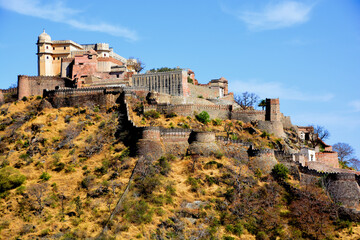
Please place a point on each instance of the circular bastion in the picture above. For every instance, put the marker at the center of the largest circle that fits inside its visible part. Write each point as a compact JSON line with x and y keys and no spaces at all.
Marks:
{"x":205,"y":137}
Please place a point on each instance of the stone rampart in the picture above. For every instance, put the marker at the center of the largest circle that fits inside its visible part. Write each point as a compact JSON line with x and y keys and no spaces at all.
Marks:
{"x":175,"y":135}
{"x":225,"y":140}
{"x":344,"y":189}
{"x":9,"y":90}
{"x":215,"y":111}
{"x":203,"y":91}
{"x":90,"y":97}
{"x":248,"y":115}
{"x":34,"y":85}
{"x":205,"y":137}
{"x":272,"y":127}
{"x":328,"y":158}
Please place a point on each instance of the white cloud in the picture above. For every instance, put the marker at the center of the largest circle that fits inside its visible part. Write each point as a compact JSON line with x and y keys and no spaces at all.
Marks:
{"x":275,"y":15}
{"x":278,"y":90}
{"x":57,"y":12}
{"x":355,"y":105}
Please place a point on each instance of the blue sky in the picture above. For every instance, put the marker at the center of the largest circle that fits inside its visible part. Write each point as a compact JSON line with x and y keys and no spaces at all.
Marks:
{"x":307,"y":53}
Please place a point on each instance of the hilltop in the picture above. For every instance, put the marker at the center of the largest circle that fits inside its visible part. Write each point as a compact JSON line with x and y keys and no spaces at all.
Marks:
{"x":69,"y":166}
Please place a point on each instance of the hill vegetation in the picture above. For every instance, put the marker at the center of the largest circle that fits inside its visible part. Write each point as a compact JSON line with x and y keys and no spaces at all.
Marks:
{"x":63,"y":172}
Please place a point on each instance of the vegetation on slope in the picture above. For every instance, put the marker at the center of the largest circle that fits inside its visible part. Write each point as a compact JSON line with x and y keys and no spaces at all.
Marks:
{"x":62,"y":172}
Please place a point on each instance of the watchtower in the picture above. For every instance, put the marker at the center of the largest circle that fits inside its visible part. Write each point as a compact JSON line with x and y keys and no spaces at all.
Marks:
{"x":45,"y":48}
{"x":272,"y":110}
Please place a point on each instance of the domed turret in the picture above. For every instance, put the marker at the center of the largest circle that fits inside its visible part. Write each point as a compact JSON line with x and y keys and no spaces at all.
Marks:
{"x":44,"y":38}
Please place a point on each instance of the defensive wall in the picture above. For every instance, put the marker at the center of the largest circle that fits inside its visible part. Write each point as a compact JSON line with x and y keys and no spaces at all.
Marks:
{"x":203,"y":91}
{"x":215,"y":111}
{"x":34,"y":85}
{"x":90,"y":97}
{"x":328,"y":157}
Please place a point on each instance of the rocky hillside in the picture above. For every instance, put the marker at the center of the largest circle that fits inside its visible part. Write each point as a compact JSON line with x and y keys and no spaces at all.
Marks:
{"x":64,"y":171}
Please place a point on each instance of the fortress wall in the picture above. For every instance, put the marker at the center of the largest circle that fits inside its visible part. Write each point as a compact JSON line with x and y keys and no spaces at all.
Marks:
{"x":286,"y":121}
{"x":89,"y":97}
{"x":328,"y":158}
{"x":205,"y":137}
{"x":34,"y":85}
{"x":272,"y":127}
{"x":215,"y":111}
{"x":175,"y":135}
{"x":204,"y":91}
{"x":248,"y":115}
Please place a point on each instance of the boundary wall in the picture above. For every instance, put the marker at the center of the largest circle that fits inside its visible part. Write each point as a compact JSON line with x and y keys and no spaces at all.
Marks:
{"x":89,"y":97}
{"x":34,"y":85}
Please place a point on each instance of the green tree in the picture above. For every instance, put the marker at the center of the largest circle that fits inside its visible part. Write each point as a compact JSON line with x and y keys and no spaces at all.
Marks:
{"x":262,"y":104}
{"x":203,"y":117}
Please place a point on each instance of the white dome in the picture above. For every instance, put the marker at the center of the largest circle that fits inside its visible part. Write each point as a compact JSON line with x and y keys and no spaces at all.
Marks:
{"x":44,"y":37}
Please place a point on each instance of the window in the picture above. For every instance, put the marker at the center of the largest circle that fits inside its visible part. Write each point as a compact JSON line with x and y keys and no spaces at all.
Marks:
{"x":58,"y":58}
{"x":117,"y":75}
{"x":53,"y":58}
{"x":53,"y":48}
{"x":47,"y":57}
{"x":81,"y":63}
{"x":64,"y":48}
{"x":104,"y":54}
{"x":47,"y":47}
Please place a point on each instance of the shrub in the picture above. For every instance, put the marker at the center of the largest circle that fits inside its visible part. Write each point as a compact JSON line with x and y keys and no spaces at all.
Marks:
{"x":171,"y":115}
{"x":139,"y":212}
{"x":228,"y":238}
{"x":186,"y":126}
{"x":194,"y":183}
{"x":164,"y":166}
{"x":280,"y":172}
{"x":216,"y":122}
{"x":38,"y":97}
{"x":10,"y":178}
{"x":203,"y":117}
{"x":96,"y":109}
{"x":212,"y":163}
{"x":87,"y":181}
{"x":151,"y":114}
{"x":102,"y":124}
{"x":264,"y":134}
{"x":45,"y":176}
{"x":24,"y":99}
{"x":218,"y":154}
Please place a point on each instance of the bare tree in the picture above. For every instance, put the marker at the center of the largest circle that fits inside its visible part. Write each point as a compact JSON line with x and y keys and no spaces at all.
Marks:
{"x":321,"y":132}
{"x":246,"y":100}
{"x":137,"y":64}
{"x":355,"y":163}
{"x":38,"y":191}
{"x":344,"y":151}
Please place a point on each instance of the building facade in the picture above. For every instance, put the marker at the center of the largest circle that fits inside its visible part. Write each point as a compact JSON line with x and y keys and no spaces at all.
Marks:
{"x":69,"y":59}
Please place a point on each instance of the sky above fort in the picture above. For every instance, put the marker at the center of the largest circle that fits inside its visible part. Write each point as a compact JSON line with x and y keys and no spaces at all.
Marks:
{"x":307,"y":53}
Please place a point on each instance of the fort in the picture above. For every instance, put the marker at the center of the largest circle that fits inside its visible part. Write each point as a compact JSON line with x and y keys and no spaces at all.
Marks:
{"x":72,"y":74}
